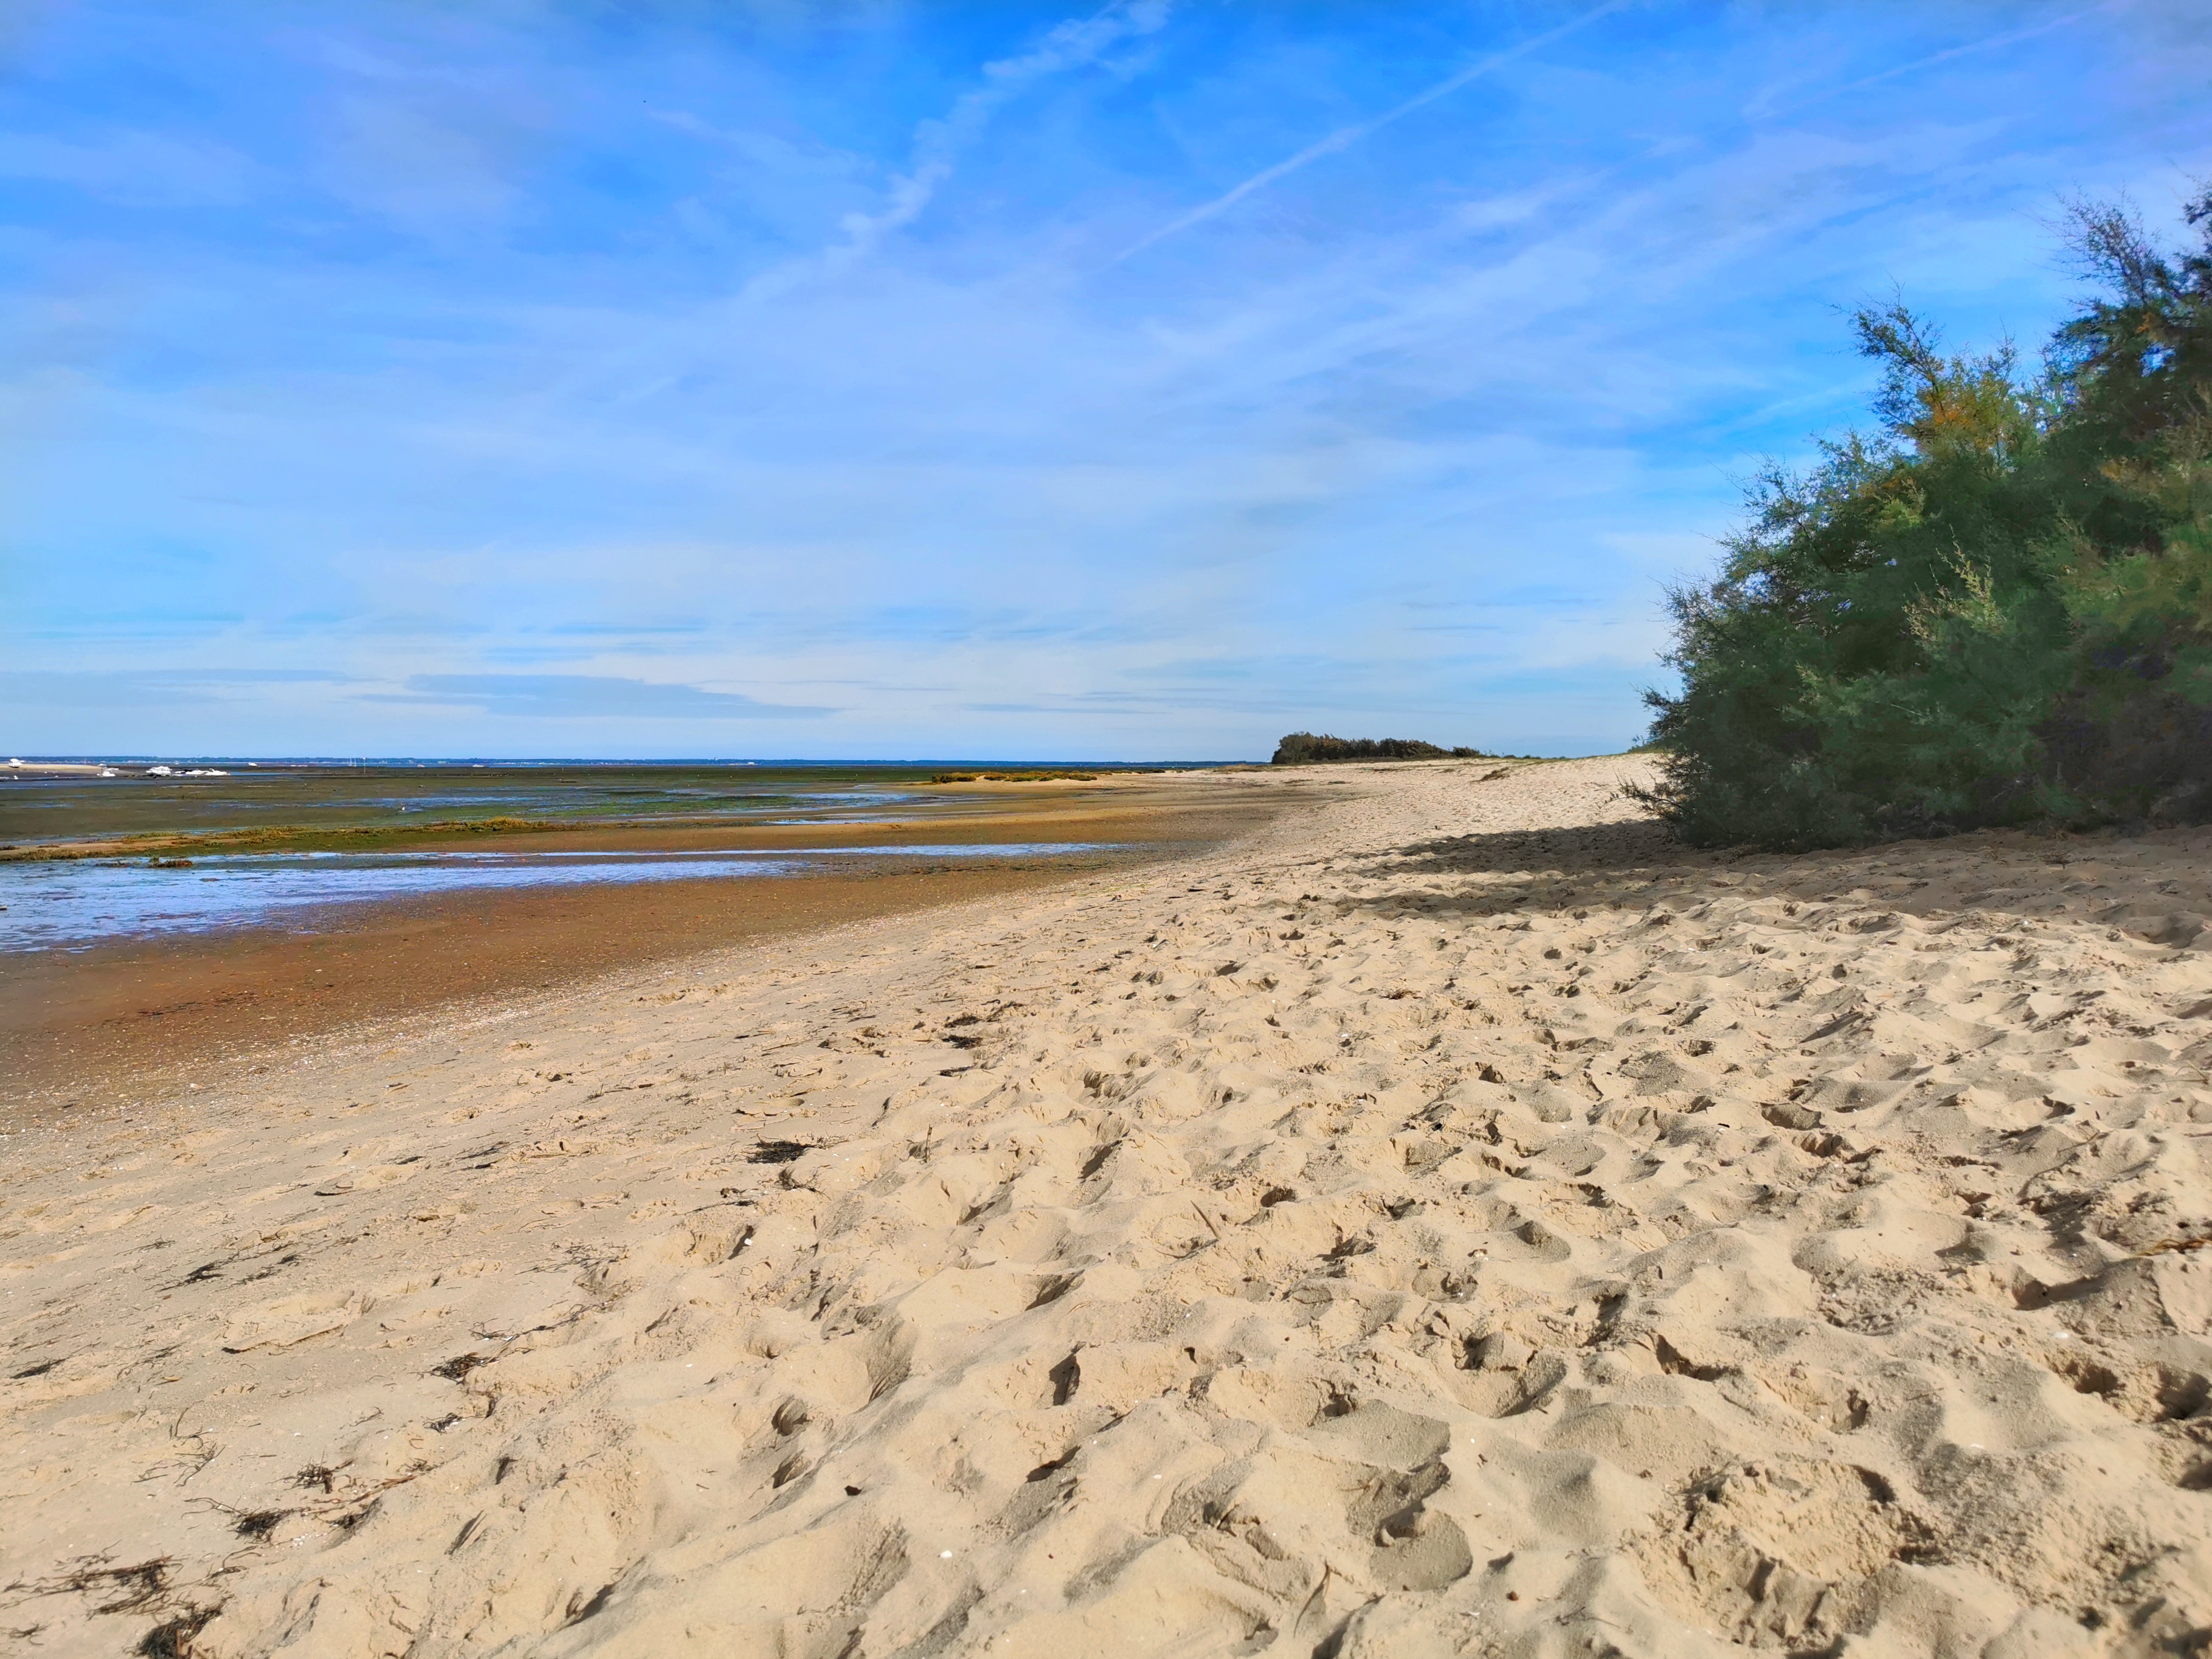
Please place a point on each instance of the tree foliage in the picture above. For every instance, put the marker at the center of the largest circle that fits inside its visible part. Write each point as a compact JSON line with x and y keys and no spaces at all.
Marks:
{"x":1305,"y":748}
{"x":1997,"y":608}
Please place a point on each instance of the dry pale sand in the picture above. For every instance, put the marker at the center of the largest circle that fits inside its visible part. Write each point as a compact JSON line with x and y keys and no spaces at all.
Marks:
{"x":1453,"y":1222}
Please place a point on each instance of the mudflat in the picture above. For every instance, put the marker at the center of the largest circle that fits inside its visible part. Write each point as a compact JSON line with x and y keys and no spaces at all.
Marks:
{"x":1452,"y":1219}
{"x":139,"y":1017}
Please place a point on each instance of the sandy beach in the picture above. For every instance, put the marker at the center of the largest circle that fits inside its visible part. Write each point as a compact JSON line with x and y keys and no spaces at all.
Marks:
{"x":1451,"y":1219}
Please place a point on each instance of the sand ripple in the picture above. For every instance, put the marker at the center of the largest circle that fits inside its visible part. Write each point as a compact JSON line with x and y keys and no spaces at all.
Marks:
{"x":1457,"y":1223}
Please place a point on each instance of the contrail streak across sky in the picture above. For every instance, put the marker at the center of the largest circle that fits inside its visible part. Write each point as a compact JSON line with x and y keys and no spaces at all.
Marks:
{"x":1345,"y":137}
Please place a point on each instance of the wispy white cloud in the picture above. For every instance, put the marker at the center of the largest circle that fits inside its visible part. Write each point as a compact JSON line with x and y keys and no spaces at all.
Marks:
{"x":129,"y":689}
{"x":584,"y":696}
{"x":135,"y":168}
{"x":938,"y":141}
{"x":981,"y":494}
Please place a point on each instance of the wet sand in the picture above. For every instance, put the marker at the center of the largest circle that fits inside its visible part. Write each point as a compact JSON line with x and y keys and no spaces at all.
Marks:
{"x":145,"y":1019}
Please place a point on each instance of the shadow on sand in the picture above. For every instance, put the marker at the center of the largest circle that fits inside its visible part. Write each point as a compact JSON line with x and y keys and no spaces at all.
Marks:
{"x":2104,"y":877}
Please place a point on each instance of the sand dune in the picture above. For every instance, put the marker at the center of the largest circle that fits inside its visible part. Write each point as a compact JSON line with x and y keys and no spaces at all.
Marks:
{"x":1455,"y":1221}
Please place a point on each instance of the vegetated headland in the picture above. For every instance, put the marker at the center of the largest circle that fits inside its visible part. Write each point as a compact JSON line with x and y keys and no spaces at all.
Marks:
{"x":1307,"y":748}
{"x":1994,"y":609}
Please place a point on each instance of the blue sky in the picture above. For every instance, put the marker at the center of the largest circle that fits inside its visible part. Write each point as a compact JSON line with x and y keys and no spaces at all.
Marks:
{"x":967,"y":380}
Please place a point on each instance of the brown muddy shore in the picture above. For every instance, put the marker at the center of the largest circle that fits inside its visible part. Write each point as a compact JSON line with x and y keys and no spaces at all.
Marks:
{"x":156,"y":1018}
